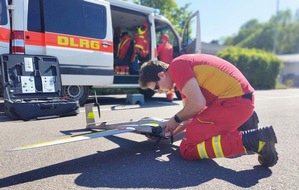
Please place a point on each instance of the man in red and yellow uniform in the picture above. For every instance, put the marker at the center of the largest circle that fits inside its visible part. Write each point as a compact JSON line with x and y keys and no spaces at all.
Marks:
{"x":141,"y":42}
{"x":165,"y":54}
{"x":165,"y":49}
{"x":125,"y":54}
{"x":217,"y":100}
{"x":125,"y":50}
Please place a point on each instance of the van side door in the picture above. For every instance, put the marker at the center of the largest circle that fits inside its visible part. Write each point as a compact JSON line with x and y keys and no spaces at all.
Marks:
{"x":191,"y":41}
{"x":79,"y":34}
{"x":4,"y":27}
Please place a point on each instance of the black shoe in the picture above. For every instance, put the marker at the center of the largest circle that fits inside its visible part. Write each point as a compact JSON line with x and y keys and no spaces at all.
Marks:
{"x":262,"y":141}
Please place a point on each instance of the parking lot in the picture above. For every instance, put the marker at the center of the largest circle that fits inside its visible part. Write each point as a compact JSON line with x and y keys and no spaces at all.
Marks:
{"x":131,"y":161}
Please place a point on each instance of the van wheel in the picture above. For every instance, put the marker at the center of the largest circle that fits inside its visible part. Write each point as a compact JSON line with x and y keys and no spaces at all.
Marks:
{"x":75,"y":92}
{"x":148,"y":93}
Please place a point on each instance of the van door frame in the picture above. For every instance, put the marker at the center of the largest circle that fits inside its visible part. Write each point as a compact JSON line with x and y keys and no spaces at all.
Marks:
{"x":5,"y":42}
{"x":196,"y":43}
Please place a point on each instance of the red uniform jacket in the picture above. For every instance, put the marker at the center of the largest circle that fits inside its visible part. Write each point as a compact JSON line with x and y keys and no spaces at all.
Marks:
{"x":165,"y":52}
{"x":142,"y":44}
{"x":125,"y":49}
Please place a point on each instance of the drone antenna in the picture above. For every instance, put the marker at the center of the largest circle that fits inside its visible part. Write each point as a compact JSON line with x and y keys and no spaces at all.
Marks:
{"x":171,"y":139}
{"x":97,"y":104}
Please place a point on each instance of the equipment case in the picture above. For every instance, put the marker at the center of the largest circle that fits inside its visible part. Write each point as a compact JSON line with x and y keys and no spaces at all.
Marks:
{"x":32,"y":87}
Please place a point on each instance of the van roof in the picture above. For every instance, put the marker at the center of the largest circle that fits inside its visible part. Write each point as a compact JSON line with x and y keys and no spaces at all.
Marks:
{"x":132,"y":6}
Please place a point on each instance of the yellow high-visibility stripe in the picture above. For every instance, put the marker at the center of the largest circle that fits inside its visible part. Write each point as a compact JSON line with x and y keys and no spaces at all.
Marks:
{"x":261,"y":146}
{"x":201,"y":149}
{"x":120,"y":46}
{"x":216,"y":143}
{"x":139,"y":46}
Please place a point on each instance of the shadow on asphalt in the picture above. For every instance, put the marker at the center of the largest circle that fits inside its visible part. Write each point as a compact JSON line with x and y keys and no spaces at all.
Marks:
{"x":141,"y":165}
{"x":115,"y":102}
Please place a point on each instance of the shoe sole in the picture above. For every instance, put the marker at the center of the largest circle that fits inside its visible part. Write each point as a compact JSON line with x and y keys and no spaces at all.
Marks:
{"x":271,"y":140}
{"x":274,"y":156}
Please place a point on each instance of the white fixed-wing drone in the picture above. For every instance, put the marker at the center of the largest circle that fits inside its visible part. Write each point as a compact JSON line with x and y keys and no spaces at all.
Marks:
{"x":148,"y":126}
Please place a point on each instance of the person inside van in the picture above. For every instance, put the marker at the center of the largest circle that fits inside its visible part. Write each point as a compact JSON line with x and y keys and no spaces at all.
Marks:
{"x":142,"y":48}
{"x":125,"y":52}
{"x":165,"y":54}
{"x":165,"y":49}
{"x":116,"y":40}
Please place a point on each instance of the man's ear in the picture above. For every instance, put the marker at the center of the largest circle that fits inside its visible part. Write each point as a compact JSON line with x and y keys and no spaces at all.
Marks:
{"x":161,"y":74}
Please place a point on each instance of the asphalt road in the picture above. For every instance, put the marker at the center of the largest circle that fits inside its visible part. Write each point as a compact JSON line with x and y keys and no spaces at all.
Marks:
{"x":130,"y":161}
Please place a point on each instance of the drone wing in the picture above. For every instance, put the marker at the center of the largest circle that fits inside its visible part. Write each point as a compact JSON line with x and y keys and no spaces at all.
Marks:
{"x":146,"y":126}
{"x":75,"y":138}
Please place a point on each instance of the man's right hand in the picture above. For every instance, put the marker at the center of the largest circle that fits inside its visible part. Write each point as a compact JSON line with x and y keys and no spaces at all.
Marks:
{"x":169,"y":127}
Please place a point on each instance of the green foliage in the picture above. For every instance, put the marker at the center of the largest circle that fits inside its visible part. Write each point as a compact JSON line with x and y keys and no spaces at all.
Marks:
{"x":168,"y":8}
{"x":280,"y":86}
{"x":283,"y":27}
{"x":259,"y":67}
{"x":289,"y":83}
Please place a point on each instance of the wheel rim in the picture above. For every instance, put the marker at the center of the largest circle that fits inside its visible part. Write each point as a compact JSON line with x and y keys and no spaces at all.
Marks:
{"x":73,"y":92}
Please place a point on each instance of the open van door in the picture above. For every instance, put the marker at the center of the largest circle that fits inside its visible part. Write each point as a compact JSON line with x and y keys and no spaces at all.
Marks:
{"x":191,"y":41}
{"x":4,"y":28}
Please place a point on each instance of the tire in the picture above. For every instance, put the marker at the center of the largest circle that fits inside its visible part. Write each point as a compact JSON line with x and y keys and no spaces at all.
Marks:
{"x":75,"y":92}
{"x":177,"y":93}
{"x":148,"y":93}
{"x":1,"y":90}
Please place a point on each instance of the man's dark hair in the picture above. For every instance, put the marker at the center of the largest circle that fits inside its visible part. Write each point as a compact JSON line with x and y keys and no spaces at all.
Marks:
{"x":124,"y":34}
{"x":149,"y":72}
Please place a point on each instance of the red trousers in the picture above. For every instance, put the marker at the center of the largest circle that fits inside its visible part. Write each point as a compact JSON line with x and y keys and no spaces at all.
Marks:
{"x":213,"y":132}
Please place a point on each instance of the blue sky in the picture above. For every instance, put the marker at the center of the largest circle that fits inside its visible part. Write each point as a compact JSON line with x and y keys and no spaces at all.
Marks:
{"x":222,"y":18}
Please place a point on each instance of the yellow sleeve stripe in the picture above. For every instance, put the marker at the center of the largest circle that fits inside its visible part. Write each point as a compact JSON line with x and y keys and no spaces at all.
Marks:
{"x":216,"y":143}
{"x":139,"y":46}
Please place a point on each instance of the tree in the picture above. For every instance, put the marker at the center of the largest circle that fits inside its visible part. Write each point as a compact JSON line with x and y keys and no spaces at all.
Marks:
{"x":259,"y":67}
{"x":168,"y":8}
{"x":261,"y":35}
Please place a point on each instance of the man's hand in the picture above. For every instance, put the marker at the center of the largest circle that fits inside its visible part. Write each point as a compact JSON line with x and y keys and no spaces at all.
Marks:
{"x":181,"y":127}
{"x":170,"y":126}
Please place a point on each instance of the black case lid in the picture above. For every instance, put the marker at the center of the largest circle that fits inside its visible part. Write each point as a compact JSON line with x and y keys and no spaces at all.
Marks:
{"x":30,"y":76}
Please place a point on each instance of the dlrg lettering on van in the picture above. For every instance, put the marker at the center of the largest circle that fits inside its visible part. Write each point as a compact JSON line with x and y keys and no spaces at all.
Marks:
{"x":84,"y":38}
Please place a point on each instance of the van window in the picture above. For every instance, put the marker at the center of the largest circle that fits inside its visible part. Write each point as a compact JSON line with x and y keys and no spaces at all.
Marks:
{"x":34,"y":16}
{"x":75,"y":17}
{"x":3,"y":13}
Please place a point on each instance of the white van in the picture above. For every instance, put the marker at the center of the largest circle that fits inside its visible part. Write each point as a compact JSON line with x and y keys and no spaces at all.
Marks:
{"x":80,"y":34}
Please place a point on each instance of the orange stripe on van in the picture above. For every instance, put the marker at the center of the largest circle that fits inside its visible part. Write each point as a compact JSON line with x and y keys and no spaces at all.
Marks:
{"x":35,"y":38}
{"x":61,"y":40}
{"x":4,"y":34}
{"x":68,"y":41}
